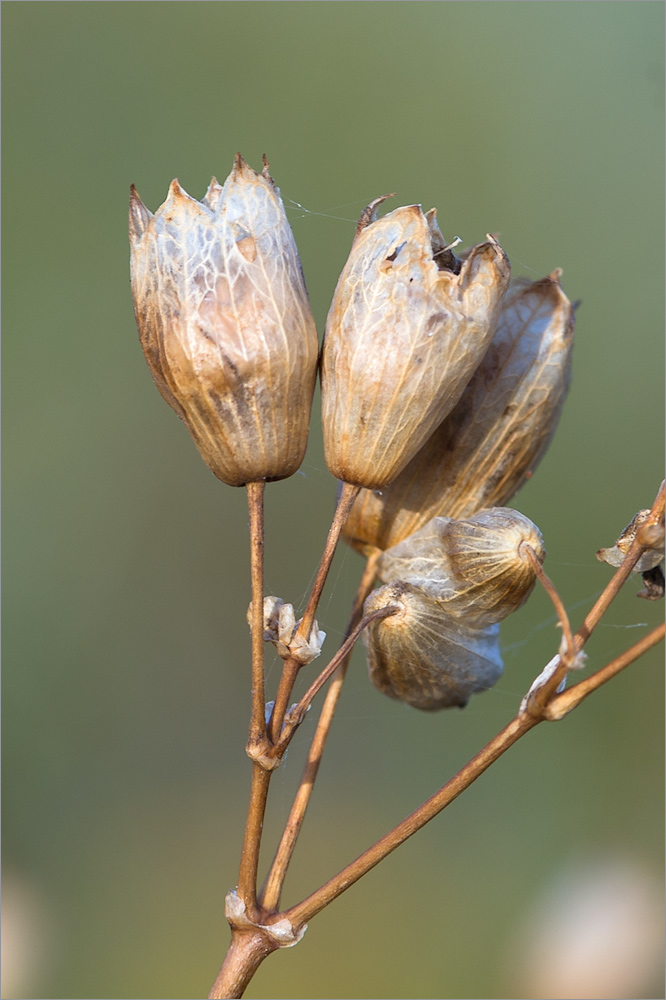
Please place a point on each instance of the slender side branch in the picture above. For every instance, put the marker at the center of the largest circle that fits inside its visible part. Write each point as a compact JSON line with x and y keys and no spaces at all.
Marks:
{"x":566,"y":701}
{"x":255,"y":498}
{"x":270,"y":894}
{"x":638,"y":546}
{"x":291,"y":668}
{"x":308,"y":908}
{"x":295,"y":715}
{"x":249,"y":863}
{"x":257,"y":742}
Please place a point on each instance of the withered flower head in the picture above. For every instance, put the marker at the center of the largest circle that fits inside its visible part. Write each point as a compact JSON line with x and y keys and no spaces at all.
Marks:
{"x":422,"y":656}
{"x":225,"y":323}
{"x":490,"y":444}
{"x":407,"y":327}
{"x":476,"y":569}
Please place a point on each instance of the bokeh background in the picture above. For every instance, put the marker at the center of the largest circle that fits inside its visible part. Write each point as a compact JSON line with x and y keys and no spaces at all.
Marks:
{"x":126,"y":691}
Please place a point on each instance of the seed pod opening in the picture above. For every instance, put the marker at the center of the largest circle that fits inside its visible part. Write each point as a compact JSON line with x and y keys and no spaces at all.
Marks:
{"x":225,"y":323}
{"x":476,"y":569}
{"x":422,"y":656}
{"x":490,"y":444}
{"x":404,"y":335}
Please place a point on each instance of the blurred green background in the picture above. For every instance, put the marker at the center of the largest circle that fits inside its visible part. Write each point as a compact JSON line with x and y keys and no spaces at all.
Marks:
{"x":126,"y":650}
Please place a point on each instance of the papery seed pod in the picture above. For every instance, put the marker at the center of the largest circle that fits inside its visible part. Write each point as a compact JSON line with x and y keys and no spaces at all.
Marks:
{"x":490,"y":444}
{"x":650,"y":563}
{"x":422,"y":656}
{"x":225,"y":323}
{"x":614,"y":555}
{"x":476,"y":569}
{"x":404,"y":334}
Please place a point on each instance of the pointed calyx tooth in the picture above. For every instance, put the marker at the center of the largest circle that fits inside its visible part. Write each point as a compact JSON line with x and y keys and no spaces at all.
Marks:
{"x":403,"y":338}
{"x":424,"y":657}
{"x":493,"y":440}
{"x":476,"y":569}
{"x":139,"y":216}
{"x":225,"y":322}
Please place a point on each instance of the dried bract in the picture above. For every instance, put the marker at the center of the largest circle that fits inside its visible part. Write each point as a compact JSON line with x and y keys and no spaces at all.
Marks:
{"x":225,"y":323}
{"x":404,"y":335}
{"x":422,"y":656}
{"x":490,"y":444}
{"x":280,"y":628}
{"x":476,"y":569}
{"x":614,"y":555}
{"x":650,"y":563}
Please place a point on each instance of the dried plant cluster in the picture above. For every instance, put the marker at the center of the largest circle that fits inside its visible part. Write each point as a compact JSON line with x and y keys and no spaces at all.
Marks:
{"x":442,"y":384}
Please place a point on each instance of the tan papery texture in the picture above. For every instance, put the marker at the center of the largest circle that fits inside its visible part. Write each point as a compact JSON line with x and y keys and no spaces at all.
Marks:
{"x":477,"y":569}
{"x":225,"y":322}
{"x":404,"y":335}
{"x":422,"y":656}
{"x":615,"y":554}
{"x":490,"y":444}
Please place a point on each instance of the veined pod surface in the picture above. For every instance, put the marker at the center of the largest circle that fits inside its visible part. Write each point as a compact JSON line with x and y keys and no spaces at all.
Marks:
{"x":404,"y":334}
{"x":476,"y":569}
{"x":422,"y":656}
{"x":486,"y":449}
{"x":225,"y":322}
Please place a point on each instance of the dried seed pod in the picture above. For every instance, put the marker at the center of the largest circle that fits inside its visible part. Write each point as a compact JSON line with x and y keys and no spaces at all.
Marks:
{"x":477,"y":569}
{"x":422,"y":656}
{"x":650,"y":563}
{"x":614,"y":555}
{"x":225,"y":323}
{"x":404,"y":334}
{"x":490,"y":444}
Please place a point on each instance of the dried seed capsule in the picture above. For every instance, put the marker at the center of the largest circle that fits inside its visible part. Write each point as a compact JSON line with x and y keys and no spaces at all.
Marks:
{"x":650,"y":563}
{"x":225,"y":323}
{"x":614,"y":555}
{"x":404,"y":334}
{"x":493,"y":440}
{"x":476,"y":569}
{"x":422,"y":656}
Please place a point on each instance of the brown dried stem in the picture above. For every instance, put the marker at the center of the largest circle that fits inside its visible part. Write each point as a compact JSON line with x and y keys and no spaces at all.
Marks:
{"x":255,"y":499}
{"x":296,"y":714}
{"x":246,"y":952}
{"x":270,"y":894}
{"x":554,"y":708}
{"x":566,"y":701}
{"x":638,"y":546}
{"x":316,"y":902}
{"x":521,"y":724}
{"x":291,"y":668}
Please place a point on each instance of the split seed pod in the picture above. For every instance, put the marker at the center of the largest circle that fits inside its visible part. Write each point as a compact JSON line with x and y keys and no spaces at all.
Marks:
{"x":650,"y":564}
{"x":422,"y":656}
{"x":476,"y":569}
{"x":404,"y":334}
{"x":490,"y":444}
{"x":225,"y":323}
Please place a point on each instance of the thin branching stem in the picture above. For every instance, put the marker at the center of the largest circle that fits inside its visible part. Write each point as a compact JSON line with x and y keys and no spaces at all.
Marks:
{"x":255,"y":498}
{"x":638,"y":547}
{"x":249,"y":863}
{"x":567,"y":700}
{"x":296,"y":714}
{"x":270,"y":894}
{"x":292,"y":666}
{"x":345,"y":878}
